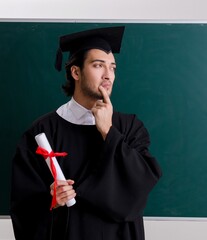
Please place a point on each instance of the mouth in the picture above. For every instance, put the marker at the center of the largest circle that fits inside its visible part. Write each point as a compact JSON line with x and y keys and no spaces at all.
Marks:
{"x":106,"y":85}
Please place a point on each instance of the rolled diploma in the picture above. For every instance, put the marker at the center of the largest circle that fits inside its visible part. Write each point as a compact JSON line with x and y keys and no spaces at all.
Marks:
{"x":42,"y":141}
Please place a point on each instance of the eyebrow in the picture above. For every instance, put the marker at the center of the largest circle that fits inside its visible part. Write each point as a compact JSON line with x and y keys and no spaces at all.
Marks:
{"x":99,"y":60}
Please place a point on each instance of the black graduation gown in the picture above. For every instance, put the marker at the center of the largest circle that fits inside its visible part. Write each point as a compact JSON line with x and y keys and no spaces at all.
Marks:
{"x":112,"y":180}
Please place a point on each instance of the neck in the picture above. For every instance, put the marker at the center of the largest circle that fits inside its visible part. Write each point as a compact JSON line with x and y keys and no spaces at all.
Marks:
{"x":86,"y":103}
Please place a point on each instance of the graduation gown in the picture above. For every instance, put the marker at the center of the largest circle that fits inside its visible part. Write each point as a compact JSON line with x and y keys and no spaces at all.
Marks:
{"x":112,"y":180}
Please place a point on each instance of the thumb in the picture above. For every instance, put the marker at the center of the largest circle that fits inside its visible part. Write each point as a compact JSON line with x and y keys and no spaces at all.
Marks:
{"x":70,"y":182}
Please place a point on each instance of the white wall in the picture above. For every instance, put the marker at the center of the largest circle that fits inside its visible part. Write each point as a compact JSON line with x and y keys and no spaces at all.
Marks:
{"x":155,"y":229}
{"x":127,"y":10}
{"x":115,"y":11}
{"x":175,"y":228}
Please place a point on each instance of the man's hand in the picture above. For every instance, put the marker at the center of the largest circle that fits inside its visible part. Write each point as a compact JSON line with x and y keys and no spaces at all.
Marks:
{"x":64,"y":191}
{"x":102,"y":111}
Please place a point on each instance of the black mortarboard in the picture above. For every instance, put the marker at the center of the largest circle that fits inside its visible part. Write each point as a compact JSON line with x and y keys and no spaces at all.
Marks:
{"x":106,"y":39}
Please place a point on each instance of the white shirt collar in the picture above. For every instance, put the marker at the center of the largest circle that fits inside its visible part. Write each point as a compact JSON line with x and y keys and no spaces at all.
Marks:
{"x":75,"y":113}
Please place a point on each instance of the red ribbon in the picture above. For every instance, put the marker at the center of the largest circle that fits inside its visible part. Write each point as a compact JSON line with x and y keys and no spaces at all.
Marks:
{"x":52,"y":154}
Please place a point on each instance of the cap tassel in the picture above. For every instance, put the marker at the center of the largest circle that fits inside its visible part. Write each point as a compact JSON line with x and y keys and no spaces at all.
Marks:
{"x":59,"y":58}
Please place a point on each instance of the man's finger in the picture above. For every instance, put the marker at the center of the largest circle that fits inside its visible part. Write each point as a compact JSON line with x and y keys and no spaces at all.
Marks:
{"x":105,"y":95}
{"x":70,"y":181}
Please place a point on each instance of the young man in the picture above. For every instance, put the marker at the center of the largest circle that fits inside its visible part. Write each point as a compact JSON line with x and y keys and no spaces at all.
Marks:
{"x":109,"y":168}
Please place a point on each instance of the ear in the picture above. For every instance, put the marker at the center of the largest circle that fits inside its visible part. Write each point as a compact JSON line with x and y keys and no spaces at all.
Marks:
{"x":75,"y":72}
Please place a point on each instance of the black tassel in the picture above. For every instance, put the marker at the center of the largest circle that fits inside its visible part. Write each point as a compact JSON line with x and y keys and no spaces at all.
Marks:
{"x":59,"y":59}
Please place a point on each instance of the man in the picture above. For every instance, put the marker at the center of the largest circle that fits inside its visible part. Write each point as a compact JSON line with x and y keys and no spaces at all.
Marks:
{"x":109,"y":168}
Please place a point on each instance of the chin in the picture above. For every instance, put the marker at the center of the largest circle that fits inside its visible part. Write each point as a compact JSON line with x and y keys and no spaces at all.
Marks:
{"x":96,"y":95}
{"x":109,"y":92}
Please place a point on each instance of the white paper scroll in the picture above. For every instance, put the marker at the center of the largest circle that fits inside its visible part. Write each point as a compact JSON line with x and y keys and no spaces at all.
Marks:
{"x":42,"y":141}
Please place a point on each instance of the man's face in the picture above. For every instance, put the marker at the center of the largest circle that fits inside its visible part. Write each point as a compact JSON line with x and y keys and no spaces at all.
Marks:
{"x":98,"y":70}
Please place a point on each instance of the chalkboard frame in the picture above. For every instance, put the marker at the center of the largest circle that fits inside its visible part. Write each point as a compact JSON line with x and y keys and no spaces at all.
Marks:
{"x":161,"y":76}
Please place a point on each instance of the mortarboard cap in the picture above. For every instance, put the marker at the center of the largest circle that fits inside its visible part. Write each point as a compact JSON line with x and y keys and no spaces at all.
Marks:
{"x":107,"y":39}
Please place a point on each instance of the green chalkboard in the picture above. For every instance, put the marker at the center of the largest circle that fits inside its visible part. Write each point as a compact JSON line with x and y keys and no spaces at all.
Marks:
{"x":161,"y":76}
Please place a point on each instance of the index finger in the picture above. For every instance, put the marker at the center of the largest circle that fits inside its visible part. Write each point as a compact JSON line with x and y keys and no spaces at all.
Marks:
{"x":59,"y":183}
{"x":105,"y":95}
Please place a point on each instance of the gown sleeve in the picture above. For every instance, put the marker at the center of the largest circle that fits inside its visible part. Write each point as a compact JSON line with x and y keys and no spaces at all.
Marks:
{"x":30,"y":196}
{"x":125,"y":175}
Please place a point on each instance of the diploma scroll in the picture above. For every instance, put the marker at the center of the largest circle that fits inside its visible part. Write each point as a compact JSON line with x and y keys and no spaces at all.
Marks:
{"x":42,"y":141}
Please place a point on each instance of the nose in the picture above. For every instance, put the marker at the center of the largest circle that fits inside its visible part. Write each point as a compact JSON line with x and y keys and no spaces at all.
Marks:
{"x":108,"y":74}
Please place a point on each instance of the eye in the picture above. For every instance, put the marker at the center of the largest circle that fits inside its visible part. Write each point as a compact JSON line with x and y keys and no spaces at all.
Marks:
{"x":98,"y":65}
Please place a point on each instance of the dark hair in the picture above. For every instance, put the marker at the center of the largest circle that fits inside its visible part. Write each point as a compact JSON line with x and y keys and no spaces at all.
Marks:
{"x":77,"y":60}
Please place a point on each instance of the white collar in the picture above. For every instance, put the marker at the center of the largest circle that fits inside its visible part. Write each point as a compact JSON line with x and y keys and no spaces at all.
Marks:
{"x":78,"y":110}
{"x":76,"y":113}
